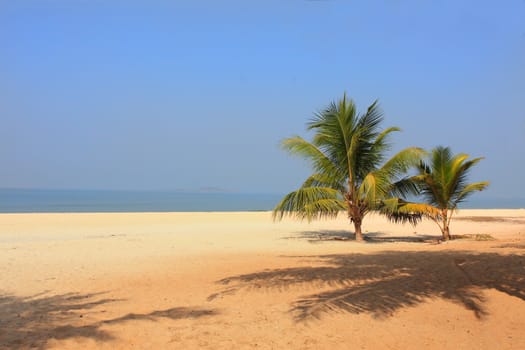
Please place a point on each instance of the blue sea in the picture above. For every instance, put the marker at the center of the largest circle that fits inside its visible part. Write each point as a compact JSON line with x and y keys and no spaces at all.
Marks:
{"x":56,"y":201}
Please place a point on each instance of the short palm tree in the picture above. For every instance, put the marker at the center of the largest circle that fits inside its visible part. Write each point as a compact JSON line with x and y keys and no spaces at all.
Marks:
{"x":348,"y":153}
{"x":443,"y":183}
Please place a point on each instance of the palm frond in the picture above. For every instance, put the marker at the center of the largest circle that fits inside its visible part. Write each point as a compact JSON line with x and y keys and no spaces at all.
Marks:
{"x":374,"y":187}
{"x":461,"y":172}
{"x":402,"y":161}
{"x":324,"y":180}
{"x":468,"y":190}
{"x":369,"y":154}
{"x":324,"y":208}
{"x":400,"y":211}
{"x":310,"y":203}
{"x":321,"y":163}
{"x":380,"y":144}
{"x":404,"y":188}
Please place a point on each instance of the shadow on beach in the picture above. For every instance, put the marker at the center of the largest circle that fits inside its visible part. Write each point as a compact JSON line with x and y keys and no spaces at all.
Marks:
{"x":31,"y":322}
{"x":370,"y":237}
{"x":382,"y":283}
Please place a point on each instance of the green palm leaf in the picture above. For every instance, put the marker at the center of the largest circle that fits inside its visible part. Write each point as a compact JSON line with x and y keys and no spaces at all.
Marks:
{"x":310,"y":203}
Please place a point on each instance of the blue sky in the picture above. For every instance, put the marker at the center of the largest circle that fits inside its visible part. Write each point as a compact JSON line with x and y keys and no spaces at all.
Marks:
{"x":193,"y":94}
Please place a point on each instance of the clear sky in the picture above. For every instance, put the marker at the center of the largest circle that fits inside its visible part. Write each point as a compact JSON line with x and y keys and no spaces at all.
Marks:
{"x":194,"y":94}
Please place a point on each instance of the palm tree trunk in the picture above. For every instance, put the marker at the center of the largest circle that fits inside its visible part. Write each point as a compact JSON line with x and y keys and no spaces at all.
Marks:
{"x":356,"y":217}
{"x":445,"y":231}
{"x":358,"y":232}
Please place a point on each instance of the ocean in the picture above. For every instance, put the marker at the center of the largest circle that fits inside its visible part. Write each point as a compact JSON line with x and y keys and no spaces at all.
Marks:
{"x":74,"y":201}
{"x":57,"y":201}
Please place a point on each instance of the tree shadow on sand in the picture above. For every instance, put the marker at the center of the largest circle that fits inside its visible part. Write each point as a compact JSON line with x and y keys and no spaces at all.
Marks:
{"x":31,"y":322}
{"x":371,"y":237}
{"x":382,"y":283}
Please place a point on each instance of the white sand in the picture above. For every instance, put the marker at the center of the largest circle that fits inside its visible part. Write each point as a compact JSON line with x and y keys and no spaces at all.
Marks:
{"x":152,"y":280}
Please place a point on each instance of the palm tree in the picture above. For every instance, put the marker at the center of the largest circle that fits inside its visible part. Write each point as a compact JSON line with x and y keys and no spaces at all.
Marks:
{"x":347,"y":154}
{"x":443,"y":183}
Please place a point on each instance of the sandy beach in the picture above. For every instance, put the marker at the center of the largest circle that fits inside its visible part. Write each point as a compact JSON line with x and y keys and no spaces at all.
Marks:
{"x":240,"y":280}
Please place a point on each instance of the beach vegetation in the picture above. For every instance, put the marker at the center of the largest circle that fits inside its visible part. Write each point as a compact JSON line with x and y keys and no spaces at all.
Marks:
{"x":351,"y":172}
{"x":442,"y":180}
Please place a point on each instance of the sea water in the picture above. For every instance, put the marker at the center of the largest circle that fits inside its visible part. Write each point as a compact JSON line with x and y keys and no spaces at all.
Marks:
{"x":39,"y":200}
{"x":46,"y":201}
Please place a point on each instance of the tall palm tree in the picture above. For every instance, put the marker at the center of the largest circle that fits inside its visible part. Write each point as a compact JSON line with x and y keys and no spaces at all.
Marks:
{"x":443,"y":183}
{"x":348,"y":153}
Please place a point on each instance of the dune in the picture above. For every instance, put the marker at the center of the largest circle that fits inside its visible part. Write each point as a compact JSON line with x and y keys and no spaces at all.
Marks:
{"x":240,"y":280}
